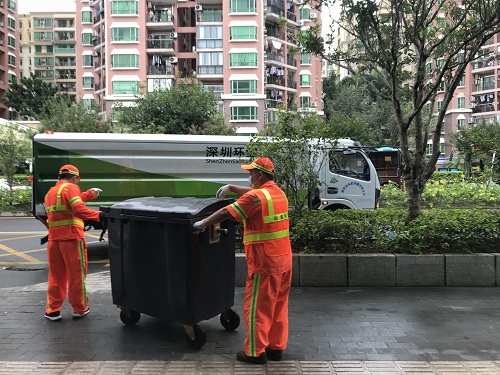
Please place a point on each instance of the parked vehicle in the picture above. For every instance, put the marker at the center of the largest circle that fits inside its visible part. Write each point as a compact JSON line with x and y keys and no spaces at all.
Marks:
{"x":387,"y":162}
{"x":135,"y":165}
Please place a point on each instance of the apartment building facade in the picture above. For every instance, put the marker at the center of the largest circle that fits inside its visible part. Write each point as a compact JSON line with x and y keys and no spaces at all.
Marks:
{"x":48,"y":49}
{"x":238,"y":49}
{"x":9,"y":49}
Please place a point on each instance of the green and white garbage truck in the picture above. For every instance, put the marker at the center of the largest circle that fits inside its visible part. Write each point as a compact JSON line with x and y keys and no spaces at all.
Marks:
{"x":137,"y":165}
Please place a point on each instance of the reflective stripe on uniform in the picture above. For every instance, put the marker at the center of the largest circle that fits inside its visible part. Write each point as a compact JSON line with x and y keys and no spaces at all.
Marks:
{"x":81,"y":250}
{"x":73,"y":200}
{"x":252,"y":313}
{"x":239,"y":210}
{"x":265,"y":236}
{"x":60,"y":223}
{"x":58,"y":206}
{"x":272,"y":217}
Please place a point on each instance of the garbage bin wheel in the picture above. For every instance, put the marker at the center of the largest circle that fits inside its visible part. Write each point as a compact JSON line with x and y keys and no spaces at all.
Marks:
{"x":199,"y":336}
{"x":230,"y":319}
{"x":130,"y":317}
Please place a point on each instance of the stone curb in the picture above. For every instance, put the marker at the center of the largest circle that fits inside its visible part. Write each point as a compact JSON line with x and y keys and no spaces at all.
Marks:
{"x":16,"y":214}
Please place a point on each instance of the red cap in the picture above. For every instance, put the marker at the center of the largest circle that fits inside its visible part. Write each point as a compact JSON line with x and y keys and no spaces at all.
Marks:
{"x":262,"y":164}
{"x":70,"y":169}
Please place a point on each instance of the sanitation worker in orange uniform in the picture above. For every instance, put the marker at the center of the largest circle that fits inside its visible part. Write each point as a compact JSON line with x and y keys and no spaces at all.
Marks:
{"x":264,"y":209}
{"x":67,"y":250}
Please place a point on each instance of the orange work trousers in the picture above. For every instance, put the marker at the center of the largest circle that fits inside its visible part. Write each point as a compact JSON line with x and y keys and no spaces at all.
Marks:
{"x":67,"y":272}
{"x":266,"y":312}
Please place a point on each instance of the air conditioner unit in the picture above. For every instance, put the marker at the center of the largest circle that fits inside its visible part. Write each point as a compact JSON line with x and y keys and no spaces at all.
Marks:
{"x":173,"y":60}
{"x":300,"y":23}
{"x":313,"y":15}
{"x":198,"y":8}
{"x":470,"y":120}
{"x":173,"y":35}
{"x":314,"y":104}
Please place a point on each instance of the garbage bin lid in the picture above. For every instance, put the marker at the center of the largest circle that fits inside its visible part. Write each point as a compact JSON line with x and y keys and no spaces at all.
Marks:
{"x":166,"y":207}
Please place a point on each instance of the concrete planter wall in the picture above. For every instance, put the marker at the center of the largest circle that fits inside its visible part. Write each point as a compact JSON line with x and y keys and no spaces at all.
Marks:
{"x":367,"y":270}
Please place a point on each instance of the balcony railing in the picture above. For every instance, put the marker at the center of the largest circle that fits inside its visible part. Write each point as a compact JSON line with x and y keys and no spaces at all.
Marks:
{"x":484,"y":63}
{"x":65,"y":63}
{"x":211,"y":16}
{"x":271,"y":103}
{"x":291,"y":84}
{"x":275,"y":33}
{"x":291,"y":17}
{"x":160,"y":70}
{"x":291,"y":61}
{"x":483,"y":87}
{"x":161,"y":16}
{"x":275,"y":80}
{"x":160,"y":43}
{"x":210,"y":69}
{"x":276,"y":10}
{"x":483,"y":108}
{"x":59,"y":38}
{"x":275,"y":57}
{"x":64,"y":50}
{"x":67,"y":88}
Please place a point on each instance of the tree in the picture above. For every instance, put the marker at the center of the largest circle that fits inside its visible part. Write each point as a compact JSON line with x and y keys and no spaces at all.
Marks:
{"x":16,"y":148}
{"x":217,"y":127}
{"x":171,"y":111}
{"x":287,"y":143}
{"x":29,"y":95}
{"x":418,"y":48}
{"x":62,"y":115}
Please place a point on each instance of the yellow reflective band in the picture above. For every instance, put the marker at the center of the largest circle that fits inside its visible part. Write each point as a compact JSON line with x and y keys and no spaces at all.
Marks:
{"x":275,"y":218}
{"x":57,"y":208}
{"x":75,"y":199}
{"x":265,"y":236}
{"x":272,"y":218}
{"x":239,"y":210}
{"x":61,"y":223}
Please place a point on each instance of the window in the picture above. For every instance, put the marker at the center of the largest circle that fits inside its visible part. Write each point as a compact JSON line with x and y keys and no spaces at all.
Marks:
{"x":442,"y":127}
{"x":461,"y":102}
{"x":42,"y":22}
{"x":11,"y":60}
{"x":428,"y":68}
{"x":49,"y":49}
{"x":460,"y":124}
{"x":488,"y":83}
{"x":87,"y":61}
{"x":211,"y":15}
{"x":305,"y":80}
{"x":124,"y":34}
{"x":305,"y":101}
{"x":462,"y":81}
{"x":11,"y":41}
{"x":429,"y":149}
{"x":11,"y":23}
{"x":210,"y":59}
{"x":42,"y":35}
{"x":209,"y":37}
{"x":155,"y":84}
{"x":88,"y":103}
{"x":125,"y":87}
{"x":86,"y":16}
{"x":441,"y":148}
{"x":127,"y":61}
{"x":244,"y":113}
{"x":243,"y":6}
{"x":88,"y":82}
{"x":305,"y":59}
{"x":243,"y":59}
{"x":352,"y":165}
{"x":87,"y":39}
{"x":441,"y":86}
{"x":12,"y":78}
{"x":243,"y":87}
{"x":439,"y":105}
{"x":124,"y":7}
{"x":243,"y":33}
{"x":305,"y":14}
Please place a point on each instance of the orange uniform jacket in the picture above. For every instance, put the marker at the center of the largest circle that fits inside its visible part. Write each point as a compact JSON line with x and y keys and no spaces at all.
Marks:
{"x":66,"y":211}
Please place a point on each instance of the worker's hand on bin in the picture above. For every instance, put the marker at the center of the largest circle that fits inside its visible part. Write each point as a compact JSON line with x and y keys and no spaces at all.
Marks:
{"x":95,"y":191}
{"x":199,"y":226}
{"x":222,"y":191}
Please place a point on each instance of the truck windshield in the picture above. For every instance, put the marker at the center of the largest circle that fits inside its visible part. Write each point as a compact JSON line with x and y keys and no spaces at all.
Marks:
{"x":351,"y":164}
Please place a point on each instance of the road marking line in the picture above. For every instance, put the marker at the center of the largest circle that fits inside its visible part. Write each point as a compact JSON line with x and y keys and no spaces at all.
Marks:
{"x":31,"y":232}
{"x":19,"y":254}
{"x":21,"y":263}
{"x":19,"y":238}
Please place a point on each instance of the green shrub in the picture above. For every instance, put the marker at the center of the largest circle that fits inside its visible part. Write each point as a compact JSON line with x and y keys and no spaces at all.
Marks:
{"x":19,"y":200}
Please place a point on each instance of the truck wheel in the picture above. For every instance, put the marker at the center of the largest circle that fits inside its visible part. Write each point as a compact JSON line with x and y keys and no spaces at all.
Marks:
{"x":230,"y":319}
{"x":129,"y":317}
{"x":199,"y":338}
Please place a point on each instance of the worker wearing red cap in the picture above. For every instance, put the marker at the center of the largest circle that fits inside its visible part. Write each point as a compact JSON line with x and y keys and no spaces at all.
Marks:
{"x":67,"y":250}
{"x":263,"y":208}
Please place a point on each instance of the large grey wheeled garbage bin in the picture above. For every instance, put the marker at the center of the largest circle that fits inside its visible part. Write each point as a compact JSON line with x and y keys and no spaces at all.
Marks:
{"x":161,"y":267}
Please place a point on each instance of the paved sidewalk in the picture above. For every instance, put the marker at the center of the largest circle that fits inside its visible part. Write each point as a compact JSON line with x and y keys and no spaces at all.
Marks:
{"x":332,"y":330}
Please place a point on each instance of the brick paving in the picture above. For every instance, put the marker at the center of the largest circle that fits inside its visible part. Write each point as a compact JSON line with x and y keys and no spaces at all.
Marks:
{"x":332,"y":331}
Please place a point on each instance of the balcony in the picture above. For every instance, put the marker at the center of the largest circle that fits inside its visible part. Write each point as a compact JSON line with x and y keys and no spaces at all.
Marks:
{"x":483,"y":108}
{"x":64,"y":38}
{"x":275,"y":80}
{"x":291,"y":84}
{"x":484,"y":63}
{"x":483,"y":86}
{"x":291,"y":61}
{"x":276,"y":10}
{"x":271,"y":103}
{"x":65,"y":63}
{"x":161,"y":70}
{"x":64,"y":50}
{"x":291,"y":17}
{"x":210,"y":69}
{"x":66,"y":76}
{"x":161,"y":16}
{"x":275,"y":33}
{"x":160,"y":44}
{"x":275,"y":57}
{"x":67,"y":88}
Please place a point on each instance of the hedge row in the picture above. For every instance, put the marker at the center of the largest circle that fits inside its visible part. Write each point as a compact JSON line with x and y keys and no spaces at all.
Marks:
{"x":385,"y":231}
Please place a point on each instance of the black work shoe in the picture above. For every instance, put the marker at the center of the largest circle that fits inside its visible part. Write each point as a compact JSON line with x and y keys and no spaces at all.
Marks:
{"x":260,"y":360}
{"x":54,"y":316}
{"x":274,"y":354}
